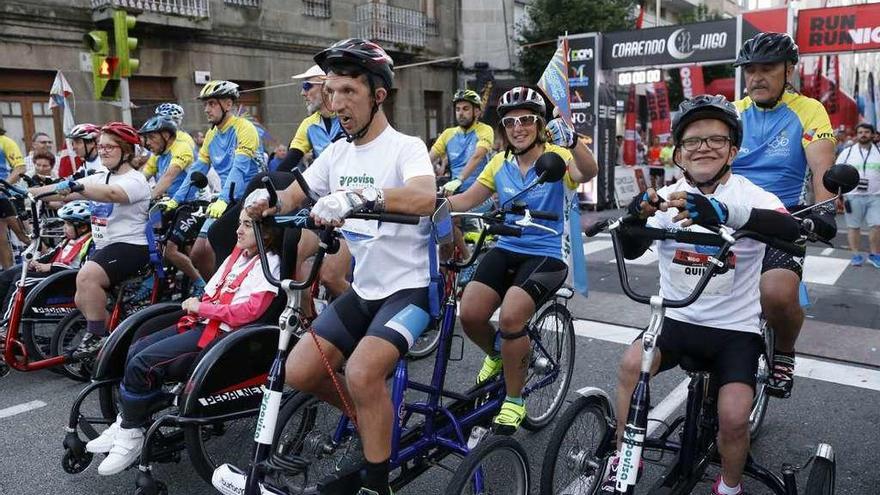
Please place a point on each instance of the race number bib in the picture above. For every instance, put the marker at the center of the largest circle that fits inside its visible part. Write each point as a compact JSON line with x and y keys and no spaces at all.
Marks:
{"x":100,"y":214}
{"x":688,"y":267}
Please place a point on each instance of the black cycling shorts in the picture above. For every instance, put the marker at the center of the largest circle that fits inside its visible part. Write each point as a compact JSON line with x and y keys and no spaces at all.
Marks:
{"x":185,"y":227}
{"x":775,"y":258}
{"x":731,"y":356}
{"x":7,"y":209}
{"x":121,"y":261}
{"x":539,"y":276}
{"x":399,"y":319}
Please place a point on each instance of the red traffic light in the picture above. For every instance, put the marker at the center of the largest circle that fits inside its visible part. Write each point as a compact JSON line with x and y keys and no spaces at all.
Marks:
{"x":108,"y":67}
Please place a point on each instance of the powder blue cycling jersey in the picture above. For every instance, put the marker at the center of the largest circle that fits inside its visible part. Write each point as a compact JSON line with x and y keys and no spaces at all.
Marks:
{"x":773,"y":153}
{"x":459,"y":146}
{"x":312,"y":135}
{"x":503,"y":176}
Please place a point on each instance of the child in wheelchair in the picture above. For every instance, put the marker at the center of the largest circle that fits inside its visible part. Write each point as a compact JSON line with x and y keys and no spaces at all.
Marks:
{"x":237,"y":294}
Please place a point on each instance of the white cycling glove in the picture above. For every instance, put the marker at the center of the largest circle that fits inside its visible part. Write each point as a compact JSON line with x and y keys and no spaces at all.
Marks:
{"x":337,"y":206}
{"x":561,"y":134}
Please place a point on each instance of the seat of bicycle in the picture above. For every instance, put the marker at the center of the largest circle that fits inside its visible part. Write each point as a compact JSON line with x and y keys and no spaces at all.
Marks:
{"x":693,"y":364}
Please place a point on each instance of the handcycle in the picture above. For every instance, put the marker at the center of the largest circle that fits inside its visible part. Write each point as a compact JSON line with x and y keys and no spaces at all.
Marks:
{"x":302,"y":446}
{"x":210,"y":415}
{"x":582,"y":443}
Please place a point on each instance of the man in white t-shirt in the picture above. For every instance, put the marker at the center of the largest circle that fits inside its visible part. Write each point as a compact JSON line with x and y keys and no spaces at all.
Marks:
{"x":375,"y":322}
{"x":863,"y":203}
{"x":721,"y":327}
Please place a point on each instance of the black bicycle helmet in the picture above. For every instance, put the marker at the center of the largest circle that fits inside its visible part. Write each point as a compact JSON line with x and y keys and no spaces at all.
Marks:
{"x":359,"y":52}
{"x":768,"y":48}
{"x":708,"y":107}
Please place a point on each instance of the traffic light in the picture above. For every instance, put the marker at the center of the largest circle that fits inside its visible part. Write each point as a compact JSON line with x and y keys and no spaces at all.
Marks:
{"x":105,"y":74}
{"x":125,"y":45}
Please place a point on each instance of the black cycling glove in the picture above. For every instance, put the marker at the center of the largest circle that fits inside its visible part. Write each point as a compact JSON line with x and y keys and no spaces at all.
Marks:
{"x":708,"y":212}
{"x":824,"y":224}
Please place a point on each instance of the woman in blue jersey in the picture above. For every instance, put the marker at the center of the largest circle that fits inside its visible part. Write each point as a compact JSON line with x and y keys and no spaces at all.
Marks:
{"x":519,"y":273}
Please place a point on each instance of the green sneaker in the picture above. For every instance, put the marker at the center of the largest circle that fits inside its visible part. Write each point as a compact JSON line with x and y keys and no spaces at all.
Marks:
{"x":491,"y":368}
{"x":509,"y":418}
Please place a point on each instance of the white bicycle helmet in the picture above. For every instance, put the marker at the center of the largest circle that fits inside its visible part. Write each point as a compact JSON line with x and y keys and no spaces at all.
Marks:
{"x":172,"y":111}
{"x":79,"y":211}
{"x":522,"y":97}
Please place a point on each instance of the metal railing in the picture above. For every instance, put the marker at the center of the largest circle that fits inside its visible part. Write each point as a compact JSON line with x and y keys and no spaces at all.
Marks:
{"x":316,"y":8}
{"x":244,"y":3}
{"x":382,"y":22}
{"x":185,"y":8}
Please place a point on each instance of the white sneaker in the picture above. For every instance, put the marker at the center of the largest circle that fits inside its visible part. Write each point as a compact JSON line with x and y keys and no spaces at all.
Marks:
{"x":127,"y":446}
{"x":104,"y":442}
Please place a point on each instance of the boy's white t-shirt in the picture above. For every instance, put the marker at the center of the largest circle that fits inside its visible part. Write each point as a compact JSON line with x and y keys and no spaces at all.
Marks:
{"x":118,"y":222}
{"x":731,"y":301}
{"x":389,"y":257}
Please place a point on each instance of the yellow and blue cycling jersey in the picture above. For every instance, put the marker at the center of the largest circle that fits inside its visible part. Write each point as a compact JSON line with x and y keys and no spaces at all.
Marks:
{"x":10,"y":156}
{"x":502,"y":175}
{"x":460,"y":144}
{"x":773,"y":152}
{"x":180,"y":155}
{"x":184,"y":136}
{"x":312,"y":134}
{"x":234,"y":151}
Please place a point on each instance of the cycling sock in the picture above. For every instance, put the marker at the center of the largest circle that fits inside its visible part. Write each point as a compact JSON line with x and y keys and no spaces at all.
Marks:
{"x":723,"y":489}
{"x":515,"y":400}
{"x":375,"y":477}
{"x":97,"y":328}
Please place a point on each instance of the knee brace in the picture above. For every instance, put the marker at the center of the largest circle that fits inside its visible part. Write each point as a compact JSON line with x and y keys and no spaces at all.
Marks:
{"x":514,"y":335}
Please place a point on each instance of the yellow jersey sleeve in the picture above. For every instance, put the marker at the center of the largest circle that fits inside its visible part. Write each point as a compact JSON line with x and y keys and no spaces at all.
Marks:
{"x":439,"y":147}
{"x":181,"y":154}
{"x":13,"y":154}
{"x":487,"y":176}
{"x":248,"y":140}
{"x":300,"y":140}
{"x":814,"y":119}
{"x":184,"y":136}
{"x":204,"y":154}
{"x":151,"y":168}
{"x":567,"y":157}
{"x":485,"y":136}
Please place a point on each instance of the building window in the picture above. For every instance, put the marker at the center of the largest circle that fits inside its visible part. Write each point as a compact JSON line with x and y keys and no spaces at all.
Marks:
{"x":316,"y":8}
{"x":244,"y":3}
{"x":147,"y":93}
{"x":433,"y":113}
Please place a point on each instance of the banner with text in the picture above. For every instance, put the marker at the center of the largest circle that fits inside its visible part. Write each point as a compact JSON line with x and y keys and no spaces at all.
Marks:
{"x":582,"y":84}
{"x":839,"y":29}
{"x":689,"y":43}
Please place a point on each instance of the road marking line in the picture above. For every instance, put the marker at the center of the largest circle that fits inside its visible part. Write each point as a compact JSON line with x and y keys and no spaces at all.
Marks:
{"x":826,"y":271}
{"x":596,"y":246}
{"x":827,"y":251}
{"x":668,"y":406}
{"x":645,"y":259}
{"x":843,"y":374}
{"x":21,"y":408}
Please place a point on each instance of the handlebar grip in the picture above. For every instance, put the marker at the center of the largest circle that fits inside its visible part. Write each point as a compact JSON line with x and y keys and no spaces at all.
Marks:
{"x":544,"y":215}
{"x":270,"y":188}
{"x":502,"y":229}
{"x":389,"y":217}
{"x":698,"y":238}
{"x":596,"y":228}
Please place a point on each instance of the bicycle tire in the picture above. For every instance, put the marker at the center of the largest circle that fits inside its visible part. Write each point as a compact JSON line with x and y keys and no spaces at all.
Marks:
{"x":67,"y":335}
{"x":38,"y":343}
{"x":822,"y":477}
{"x":761,"y":399}
{"x":583,"y":456}
{"x":302,"y":434}
{"x":561,"y":349}
{"x":463,"y":481}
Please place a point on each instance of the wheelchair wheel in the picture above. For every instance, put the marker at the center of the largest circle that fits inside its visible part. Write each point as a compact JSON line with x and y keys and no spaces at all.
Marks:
{"x":765,"y":363}
{"x":573,"y":461}
{"x":211,"y":445}
{"x":550,"y":366}
{"x":305,"y":446}
{"x":68,"y":334}
{"x":822,"y":477}
{"x":37,"y":337}
{"x":499,"y":464}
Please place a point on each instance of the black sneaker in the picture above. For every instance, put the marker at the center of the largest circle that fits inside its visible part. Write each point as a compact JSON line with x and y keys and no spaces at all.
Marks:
{"x":88,"y":347}
{"x":781,"y":379}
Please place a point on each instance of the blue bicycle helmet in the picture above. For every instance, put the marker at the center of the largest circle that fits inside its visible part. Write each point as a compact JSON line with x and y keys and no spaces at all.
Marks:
{"x":158,"y":123}
{"x":79,"y":211}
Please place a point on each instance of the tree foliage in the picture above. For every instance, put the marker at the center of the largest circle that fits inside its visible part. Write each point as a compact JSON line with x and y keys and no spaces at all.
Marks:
{"x":549,"y":19}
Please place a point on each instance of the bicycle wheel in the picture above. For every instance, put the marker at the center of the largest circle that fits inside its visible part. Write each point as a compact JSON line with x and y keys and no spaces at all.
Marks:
{"x":304,"y":439}
{"x":68,"y":334}
{"x":550,"y":366}
{"x":822,"y":477}
{"x":762,"y":398}
{"x":499,"y":464}
{"x":37,"y":337}
{"x":574,"y":461}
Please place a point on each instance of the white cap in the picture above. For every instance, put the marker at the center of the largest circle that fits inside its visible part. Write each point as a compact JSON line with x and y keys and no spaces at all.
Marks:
{"x":314,"y":71}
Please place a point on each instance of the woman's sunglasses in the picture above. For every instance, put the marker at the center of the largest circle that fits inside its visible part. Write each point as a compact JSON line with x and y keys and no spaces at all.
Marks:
{"x":522,"y":121}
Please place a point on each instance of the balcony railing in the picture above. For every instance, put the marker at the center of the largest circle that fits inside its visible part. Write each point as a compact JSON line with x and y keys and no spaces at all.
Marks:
{"x":185,"y":8}
{"x":316,"y":8}
{"x":243,"y":3}
{"x":382,"y":22}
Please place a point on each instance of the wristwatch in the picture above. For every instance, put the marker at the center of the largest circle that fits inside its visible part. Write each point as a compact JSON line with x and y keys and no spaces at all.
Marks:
{"x":374,"y":198}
